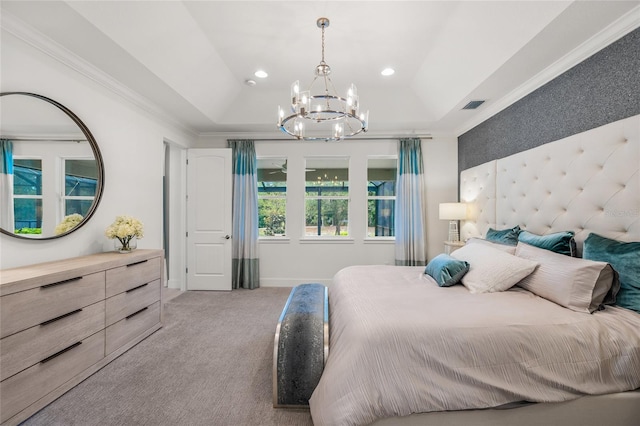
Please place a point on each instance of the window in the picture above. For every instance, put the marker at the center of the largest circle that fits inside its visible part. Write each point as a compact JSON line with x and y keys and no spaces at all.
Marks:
{"x":381,"y":196}
{"x":80,"y":186}
{"x":327,"y":197}
{"x":272,"y":196}
{"x":27,"y":196}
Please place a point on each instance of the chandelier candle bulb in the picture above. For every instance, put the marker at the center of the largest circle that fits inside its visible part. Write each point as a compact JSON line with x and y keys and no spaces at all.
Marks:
{"x":295,"y":89}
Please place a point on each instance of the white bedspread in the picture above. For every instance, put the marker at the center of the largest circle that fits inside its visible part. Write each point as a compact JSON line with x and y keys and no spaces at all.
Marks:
{"x":399,"y":344}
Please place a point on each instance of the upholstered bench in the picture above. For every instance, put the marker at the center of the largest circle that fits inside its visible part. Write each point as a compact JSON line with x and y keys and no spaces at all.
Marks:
{"x":301,"y":345}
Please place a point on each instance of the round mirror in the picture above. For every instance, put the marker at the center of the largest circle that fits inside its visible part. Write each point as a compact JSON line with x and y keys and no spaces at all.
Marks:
{"x":51,"y":171}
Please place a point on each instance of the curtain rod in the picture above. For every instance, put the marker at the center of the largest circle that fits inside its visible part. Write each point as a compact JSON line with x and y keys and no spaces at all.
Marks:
{"x":372,"y":138}
{"x":41,"y":139}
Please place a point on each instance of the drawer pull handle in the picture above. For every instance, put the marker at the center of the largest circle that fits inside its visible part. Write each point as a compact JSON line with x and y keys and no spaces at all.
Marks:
{"x":61,"y":282}
{"x":68,"y":348}
{"x":135,"y":288}
{"x":60,"y":317}
{"x":137,"y":312}
{"x":137,"y":263}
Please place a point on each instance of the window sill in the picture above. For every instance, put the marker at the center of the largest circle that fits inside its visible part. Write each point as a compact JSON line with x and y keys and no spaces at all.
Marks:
{"x":273,"y":240}
{"x":326,"y":240}
{"x":380,"y":240}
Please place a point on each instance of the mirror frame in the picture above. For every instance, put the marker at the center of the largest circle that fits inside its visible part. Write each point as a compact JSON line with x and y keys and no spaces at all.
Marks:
{"x":96,"y":152}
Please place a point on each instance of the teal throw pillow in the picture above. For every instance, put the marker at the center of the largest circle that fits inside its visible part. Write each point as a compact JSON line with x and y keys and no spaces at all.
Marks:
{"x":625,"y":260}
{"x":558,"y":242}
{"x":505,"y":236}
{"x":446,"y":270}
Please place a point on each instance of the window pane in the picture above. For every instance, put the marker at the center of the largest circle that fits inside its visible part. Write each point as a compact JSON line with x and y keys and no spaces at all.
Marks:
{"x":327,"y":176}
{"x":271,"y":217}
{"x":327,"y":189}
{"x":81,"y":207}
{"x":80,"y":178}
{"x":272,"y":173}
{"x":380,"y":218}
{"x":381,"y":176}
{"x":27,"y":214}
{"x":272,"y":193}
{"x":327,"y":217}
{"x":27,"y":177}
{"x":272,"y":188}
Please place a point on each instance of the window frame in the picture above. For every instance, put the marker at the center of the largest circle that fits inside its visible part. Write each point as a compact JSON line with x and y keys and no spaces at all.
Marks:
{"x":347,"y":197}
{"x":29,"y":196}
{"x":284,"y":159}
{"x":62,"y":207}
{"x":369,"y":198}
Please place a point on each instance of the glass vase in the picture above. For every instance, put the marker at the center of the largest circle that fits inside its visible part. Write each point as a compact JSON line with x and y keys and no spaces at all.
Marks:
{"x":125,"y":245}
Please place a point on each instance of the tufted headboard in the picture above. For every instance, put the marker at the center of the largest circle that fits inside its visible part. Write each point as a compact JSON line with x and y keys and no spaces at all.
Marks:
{"x":588,"y":182}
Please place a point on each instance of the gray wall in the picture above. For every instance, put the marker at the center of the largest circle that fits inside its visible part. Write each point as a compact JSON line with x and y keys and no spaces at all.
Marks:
{"x":603,"y":88}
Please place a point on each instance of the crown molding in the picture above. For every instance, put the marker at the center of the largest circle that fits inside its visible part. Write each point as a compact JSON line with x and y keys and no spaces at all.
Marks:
{"x":616,"y":30}
{"x":39,"y":41}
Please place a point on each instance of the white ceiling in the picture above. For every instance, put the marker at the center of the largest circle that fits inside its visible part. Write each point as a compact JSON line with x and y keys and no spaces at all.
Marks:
{"x":191,"y":58}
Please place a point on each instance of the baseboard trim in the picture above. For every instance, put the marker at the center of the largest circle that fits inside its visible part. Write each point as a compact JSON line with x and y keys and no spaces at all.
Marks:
{"x":172,"y":283}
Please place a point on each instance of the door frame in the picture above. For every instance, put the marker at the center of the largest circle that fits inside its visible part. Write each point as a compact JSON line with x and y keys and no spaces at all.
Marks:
{"x":177,"y":188}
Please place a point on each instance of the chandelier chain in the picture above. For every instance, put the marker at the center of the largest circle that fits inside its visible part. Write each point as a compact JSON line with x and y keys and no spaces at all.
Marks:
{"x":322,"y":61}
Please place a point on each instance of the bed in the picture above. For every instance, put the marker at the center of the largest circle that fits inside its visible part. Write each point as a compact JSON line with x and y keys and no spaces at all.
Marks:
{"x":404,"y":350}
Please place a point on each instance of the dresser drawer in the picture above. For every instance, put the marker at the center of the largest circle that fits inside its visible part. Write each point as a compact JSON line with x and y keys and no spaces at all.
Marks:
{"x":123,"y":304}
{"x":19,"y":391}
{"x":132,"y":326}
{"x":132,"y":275}
{"x":26,"y":348}
{"x":19,"y":311}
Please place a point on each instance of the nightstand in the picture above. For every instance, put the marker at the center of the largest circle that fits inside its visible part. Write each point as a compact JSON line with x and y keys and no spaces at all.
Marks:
{"x":451,"y":246}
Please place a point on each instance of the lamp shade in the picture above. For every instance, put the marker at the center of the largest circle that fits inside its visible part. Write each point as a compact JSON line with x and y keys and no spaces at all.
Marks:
{"x":453,"y":211}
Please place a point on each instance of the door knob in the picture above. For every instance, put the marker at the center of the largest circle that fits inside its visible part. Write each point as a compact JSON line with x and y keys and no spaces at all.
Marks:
{"x":226,"y":237}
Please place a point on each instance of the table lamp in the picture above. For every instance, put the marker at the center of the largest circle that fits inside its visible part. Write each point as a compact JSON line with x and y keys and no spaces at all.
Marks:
{"x":453,"y":212}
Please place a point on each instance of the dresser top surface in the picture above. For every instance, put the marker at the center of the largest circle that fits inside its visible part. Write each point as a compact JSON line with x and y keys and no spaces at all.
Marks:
{"x":24,"y":277}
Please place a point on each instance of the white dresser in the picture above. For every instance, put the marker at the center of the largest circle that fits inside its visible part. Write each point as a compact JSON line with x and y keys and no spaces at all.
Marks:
{"x":62,"y":321}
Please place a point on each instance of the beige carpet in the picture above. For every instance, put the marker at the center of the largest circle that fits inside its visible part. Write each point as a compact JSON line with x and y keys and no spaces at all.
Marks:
{"x":211,"y":364}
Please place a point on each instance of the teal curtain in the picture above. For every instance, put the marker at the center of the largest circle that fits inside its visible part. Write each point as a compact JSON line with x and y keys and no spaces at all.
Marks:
{"x":6,"y":185}
{"x":410,"y":205}
{"x":245,"y":264}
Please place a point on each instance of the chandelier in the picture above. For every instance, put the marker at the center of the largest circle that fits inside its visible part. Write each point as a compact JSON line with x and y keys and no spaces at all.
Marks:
{"x":324,"y":115}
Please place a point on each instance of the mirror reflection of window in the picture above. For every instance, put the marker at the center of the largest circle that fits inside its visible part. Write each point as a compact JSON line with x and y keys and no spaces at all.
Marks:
{"x":80,"y":185}
{"x":27,"y":196}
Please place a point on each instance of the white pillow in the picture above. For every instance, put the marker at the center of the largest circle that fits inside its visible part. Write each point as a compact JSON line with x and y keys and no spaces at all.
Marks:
{"x":491,"y":269}
{"x":575,"y":283}
{"x":502,"y":247}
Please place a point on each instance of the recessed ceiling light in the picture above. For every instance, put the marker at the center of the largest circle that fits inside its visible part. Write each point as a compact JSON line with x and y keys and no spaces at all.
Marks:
{"x":388,"y":71}
{"x":261,"y":74}
{"x":250,"y":82}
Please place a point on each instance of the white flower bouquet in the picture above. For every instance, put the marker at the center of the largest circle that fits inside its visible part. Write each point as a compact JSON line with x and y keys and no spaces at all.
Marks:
{"x":68,"y":223}
{"x":125,"y":228}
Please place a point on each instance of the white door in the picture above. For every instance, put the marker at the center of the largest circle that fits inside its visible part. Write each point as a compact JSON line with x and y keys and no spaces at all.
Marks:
{"x":209,"y":182}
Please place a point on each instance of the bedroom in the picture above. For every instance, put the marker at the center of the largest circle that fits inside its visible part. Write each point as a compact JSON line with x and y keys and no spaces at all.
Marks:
{"x":128,"y":133}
